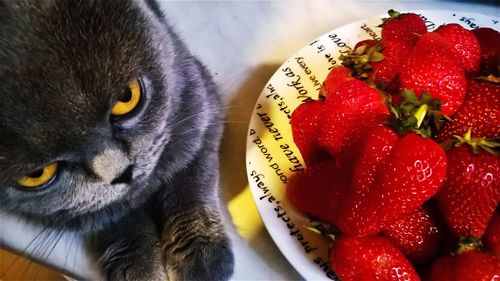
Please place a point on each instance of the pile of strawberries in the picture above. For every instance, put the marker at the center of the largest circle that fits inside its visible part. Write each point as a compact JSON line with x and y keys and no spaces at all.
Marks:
{"x":402,"y":155}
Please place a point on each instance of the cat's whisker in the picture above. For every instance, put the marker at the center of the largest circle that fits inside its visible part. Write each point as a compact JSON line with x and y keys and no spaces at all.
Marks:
{"x":24,"y":251}
{"x":44,"y":251}
{"x":41,"y":248}
{"x":57,"y":238}
{"x":76,"y":255}
{"x":36,"y":249}
{"x":70,"y":247}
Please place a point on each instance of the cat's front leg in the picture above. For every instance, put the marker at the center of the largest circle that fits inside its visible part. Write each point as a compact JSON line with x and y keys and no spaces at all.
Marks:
{"x":196,"y":246}
{"x":194,"y":239}
{"x":131,"y":250}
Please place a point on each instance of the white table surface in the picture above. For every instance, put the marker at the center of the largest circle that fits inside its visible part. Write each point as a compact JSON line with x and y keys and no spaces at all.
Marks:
{"x":242,"y":43}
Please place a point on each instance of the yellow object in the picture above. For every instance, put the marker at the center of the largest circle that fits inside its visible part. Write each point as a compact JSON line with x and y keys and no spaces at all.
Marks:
{"x":244,"y":213}
{"x":124,"y":107}
{"x":47,"y":175}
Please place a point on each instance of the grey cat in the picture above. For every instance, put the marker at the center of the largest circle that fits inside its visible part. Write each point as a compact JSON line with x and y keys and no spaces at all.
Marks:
{"x":108,"y":125}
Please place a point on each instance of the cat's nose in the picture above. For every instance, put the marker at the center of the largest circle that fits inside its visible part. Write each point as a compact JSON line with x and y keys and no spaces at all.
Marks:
{"x":125,"y":177}
{"x":110,"y":165}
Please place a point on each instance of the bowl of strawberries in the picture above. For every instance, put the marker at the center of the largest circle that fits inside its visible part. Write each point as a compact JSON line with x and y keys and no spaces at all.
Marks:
{"x":372,"y":153}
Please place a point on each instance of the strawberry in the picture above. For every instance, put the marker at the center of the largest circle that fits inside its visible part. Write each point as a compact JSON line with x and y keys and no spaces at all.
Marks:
{"x":471,"y":193}
{"x":431,"y":67}
{"x":386,"y":71}
{"x":317,"y":190}
{"x":464,"y":44}
{"x":489,"y":40}
{"x":335,"y":77}
{"x":305,"y":123}
{"x":467,"y":266}
{"x":350,"y":110}
{"x":405,"y":27}
{"x":373,"y":152}
{"x":370,"y":258}
{"x":418,"y":235}
{"x":378,"y":62}
{"x":491,"y":238}
{"x":375,"y":149}
{"x":480,"y":111}
{"x":411,"y":174}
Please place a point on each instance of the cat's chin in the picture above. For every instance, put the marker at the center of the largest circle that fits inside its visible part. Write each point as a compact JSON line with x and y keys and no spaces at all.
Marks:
{"x":89,"y":222}
{"x":93,"y":220}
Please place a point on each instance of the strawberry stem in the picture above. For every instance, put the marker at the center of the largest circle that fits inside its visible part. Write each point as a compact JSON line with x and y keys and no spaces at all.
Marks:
{"x":393,"y":13}
{"x":490,"y":78}
{"x":420,"y":114}
{"x":328,"y":234}
{"x":359,"y":59}
{"x":313,"y":229}
{"x":477,"y":144}
{"x":468,"y":243}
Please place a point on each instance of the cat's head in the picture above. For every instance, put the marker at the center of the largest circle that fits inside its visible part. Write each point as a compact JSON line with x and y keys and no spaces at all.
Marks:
{"x":73,"y":139}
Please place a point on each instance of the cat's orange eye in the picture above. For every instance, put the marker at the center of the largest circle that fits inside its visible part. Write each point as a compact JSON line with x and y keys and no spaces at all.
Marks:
{"x":129,"y":101}
{"x":39,"y":177}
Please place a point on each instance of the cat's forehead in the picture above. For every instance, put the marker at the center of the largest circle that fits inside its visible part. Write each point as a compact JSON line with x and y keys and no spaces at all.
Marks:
{"x":78,"y":35}
{"x":62,"y":61}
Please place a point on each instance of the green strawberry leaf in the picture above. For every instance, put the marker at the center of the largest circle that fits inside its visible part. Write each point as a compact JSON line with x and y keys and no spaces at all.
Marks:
{"x":490,"y":78}
{"x":468,"y":243}
{"x":359,"y":59}
{"x":375,"y":56}
{"x":421,"y":115}
{"x":478,"y":144}
{"x":393,"y":14}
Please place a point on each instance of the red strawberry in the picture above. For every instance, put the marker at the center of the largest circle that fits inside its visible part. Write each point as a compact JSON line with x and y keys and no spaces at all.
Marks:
{"x":431,"y":67}
{"x":403,"y":27}
{"x":480,"y":111}
{"x":471,"y":265}
{"x":375,"y":149}
{"x":305,"y":122}
{"x":464,"y":44}
{"x":350,"y":110}
{"x":386,"y":71}
{"x":370,"y":258}
{"x":489,"y":40}
{"x":373,"y":153}
{"x":418,"y":235}
{"x":471,"y":193}
{"x":491,"y":238}
{"x":317,"y":190}
{"x":411,"y":174}
{"x":335,"y":77}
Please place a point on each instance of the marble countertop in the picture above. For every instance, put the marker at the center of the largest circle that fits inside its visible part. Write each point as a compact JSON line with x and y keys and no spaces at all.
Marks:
{"x":243,"y":43}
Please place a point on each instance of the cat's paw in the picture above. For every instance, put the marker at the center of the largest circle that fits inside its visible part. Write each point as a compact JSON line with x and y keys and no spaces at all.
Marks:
{"x":136,"y":271}
{"x":196,"y":247}
{"x":136,"y":257}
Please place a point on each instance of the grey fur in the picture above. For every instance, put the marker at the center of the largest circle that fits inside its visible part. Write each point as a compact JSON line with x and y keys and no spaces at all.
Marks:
{"x":63,"y":64}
